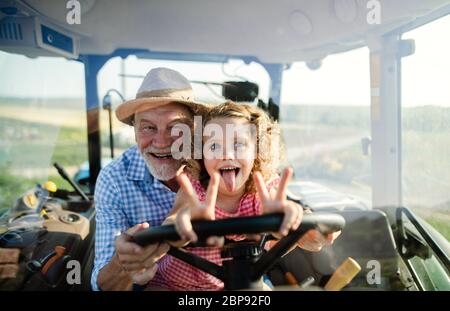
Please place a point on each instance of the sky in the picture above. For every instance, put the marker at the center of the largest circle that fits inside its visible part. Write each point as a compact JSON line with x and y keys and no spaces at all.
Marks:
{"x":343,"y":79}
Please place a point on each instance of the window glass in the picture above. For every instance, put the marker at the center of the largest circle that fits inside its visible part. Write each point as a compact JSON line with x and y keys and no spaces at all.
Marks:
{"x":325,"y":116}
{"x":42,"y":121}
{"x":426,"y":125}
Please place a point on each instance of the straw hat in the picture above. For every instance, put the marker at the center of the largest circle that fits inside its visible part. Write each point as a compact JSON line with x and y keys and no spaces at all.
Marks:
{"x":161,"y":86}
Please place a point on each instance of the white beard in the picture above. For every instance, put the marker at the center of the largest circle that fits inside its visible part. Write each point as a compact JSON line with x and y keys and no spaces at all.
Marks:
{"x":163,"y":172}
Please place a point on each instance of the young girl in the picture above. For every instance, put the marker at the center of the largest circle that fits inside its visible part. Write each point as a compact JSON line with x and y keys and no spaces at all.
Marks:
{"x":236,"y":177}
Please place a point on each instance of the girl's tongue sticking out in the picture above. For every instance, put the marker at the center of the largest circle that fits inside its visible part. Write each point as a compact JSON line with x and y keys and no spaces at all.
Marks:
{"x":229,"y":177}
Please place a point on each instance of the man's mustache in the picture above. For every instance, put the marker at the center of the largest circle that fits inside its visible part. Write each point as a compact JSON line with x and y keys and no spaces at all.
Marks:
{"x":151,"y":149}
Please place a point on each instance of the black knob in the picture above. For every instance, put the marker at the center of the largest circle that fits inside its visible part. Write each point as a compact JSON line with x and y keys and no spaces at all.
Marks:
{"x":34,"y":266}
{"x":241,"y":250}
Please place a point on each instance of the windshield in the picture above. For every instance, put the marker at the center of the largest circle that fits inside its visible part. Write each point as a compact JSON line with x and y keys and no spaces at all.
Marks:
{"x":325,"y":116}
{"x":122,"y":78}
{"x":42,"y":121}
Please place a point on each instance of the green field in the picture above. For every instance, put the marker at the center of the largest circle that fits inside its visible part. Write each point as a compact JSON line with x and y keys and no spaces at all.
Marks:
{"x":34,"y":135}
{"x":440,"y":225}
{"x":27,"y":159}
{"x":12,"y":186}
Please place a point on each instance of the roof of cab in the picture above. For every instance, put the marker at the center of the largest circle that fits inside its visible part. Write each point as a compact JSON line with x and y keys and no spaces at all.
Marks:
{"x":279,"y":31}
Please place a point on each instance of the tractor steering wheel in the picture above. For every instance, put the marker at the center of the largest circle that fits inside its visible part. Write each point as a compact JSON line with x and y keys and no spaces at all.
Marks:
{"x":241,"y":274}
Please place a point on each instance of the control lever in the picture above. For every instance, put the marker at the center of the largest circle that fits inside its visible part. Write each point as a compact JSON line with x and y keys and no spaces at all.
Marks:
{"x":307,"y":282}
{"x":64,"y":175}
{"x":38,"y":265}
{"x":343,"y":275}
{"x":51,"y":266}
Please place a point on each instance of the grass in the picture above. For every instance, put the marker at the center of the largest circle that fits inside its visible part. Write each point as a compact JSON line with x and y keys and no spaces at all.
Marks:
{"x":33,"y":138}
{"x":442,"y":226}
{"x":29,"y":150}
{"x":31,"y":145}
{"x":12,"y":186}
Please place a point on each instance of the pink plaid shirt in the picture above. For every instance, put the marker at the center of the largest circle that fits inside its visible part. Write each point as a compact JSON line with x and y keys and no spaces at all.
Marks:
{"x":175,"y":274}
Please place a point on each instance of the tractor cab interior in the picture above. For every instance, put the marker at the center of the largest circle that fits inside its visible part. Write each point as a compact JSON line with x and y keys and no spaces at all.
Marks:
{"x":359,"y":88}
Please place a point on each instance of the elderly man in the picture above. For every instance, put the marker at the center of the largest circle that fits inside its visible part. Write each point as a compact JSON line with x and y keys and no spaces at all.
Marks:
{"x":137,"y":189}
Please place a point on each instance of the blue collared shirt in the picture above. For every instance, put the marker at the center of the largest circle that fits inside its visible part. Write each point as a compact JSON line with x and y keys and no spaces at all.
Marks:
{"x":126,"y":194}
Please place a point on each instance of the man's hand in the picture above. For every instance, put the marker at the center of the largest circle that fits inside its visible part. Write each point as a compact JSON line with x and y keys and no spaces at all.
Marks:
{"x":313,"y":240}
{"x":139,"y":262}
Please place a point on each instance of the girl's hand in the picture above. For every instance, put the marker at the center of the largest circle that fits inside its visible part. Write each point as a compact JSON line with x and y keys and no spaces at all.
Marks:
{"x":194,"y":209}
{"x":277,"y":202}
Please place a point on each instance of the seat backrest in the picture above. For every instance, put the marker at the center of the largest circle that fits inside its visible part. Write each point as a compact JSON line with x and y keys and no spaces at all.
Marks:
{"x":367,"y":236}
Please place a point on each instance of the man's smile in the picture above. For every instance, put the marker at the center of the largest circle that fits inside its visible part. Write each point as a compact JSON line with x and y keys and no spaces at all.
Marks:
{"x":166,"y":155}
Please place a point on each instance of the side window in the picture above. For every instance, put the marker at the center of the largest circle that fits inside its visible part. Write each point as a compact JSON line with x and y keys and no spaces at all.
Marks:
{"x":42,"y":121}
{"x":426,"y":125}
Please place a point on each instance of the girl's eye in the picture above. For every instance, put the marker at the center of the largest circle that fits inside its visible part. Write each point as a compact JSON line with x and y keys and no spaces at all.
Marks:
{"x":215,"y":147}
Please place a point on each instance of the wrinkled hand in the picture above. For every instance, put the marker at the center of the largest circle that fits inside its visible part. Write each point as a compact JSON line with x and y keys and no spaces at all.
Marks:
{"x":293,"y":212}
{"x":314,"y":241}
{"x":197,"y":210}
{"x":139,"y":262}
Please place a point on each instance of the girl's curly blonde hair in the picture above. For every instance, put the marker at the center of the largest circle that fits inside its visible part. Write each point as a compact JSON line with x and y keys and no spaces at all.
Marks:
{"x":268,"y":146}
